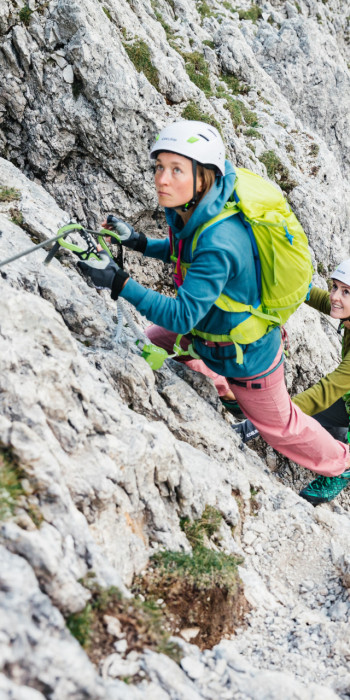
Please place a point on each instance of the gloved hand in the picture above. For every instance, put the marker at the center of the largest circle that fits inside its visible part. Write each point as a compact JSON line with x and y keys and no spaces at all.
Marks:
{"x":127,"y":234}
{"x":104,"y":273}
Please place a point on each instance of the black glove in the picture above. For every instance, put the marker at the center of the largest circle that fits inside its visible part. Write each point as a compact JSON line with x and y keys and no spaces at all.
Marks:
{"x":127,"y":234}
{"x":104,"y":273}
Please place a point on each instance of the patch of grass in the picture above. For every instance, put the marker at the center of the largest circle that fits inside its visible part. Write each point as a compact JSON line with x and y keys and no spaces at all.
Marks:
{"x":314,"y":150}
{"x":17,"y":217}
{"x":254,"y":13}
{"x":277,"y":171}
{"x":8,"y":194}
{"x":204,"y":10}
{"x":234,"y":84}
{"x":204,"y":567}
{"x":298,"y":7}
{"x":240,"y":114}
{"x":252,"y":133}
{"x":197,"y":70}
{"x":25,"y":14}
{"x":193,"y":112}
{"x":107,"y":13}
{"x":12,"y":493}
{"x":265,"y":100}
{"x":141,"y":623}
{"x":321,"y":268}
{"x":290,"y":148}
{"x":79,"y":625}
{"x":201,"y":589}
{"x":10,"y":483}
{"x":208,"y":42}
{"x":140,"y":55}
{"x":228,"y":6}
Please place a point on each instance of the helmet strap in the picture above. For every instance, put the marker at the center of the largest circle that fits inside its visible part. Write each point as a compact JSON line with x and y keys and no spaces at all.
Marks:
{"x":192,"y":202}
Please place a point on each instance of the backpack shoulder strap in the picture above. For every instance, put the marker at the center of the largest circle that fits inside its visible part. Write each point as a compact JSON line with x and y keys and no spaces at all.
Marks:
{"x":230,"y":209}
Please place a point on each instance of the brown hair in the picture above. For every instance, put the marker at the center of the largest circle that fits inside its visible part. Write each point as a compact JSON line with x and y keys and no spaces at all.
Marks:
{"x":208,"y":178}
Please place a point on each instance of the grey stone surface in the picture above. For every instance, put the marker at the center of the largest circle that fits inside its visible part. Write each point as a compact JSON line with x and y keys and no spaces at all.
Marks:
{"x":113,"y":455}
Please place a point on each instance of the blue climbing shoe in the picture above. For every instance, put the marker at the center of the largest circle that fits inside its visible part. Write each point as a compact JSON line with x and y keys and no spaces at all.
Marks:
{"x":325,"y":488}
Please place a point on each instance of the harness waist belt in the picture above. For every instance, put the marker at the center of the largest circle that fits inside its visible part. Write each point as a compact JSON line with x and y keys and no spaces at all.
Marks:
{"x":212,"y":343}
{"x":256,"y":385}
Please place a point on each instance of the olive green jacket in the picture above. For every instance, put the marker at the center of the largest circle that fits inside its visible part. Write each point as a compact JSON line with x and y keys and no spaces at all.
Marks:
{"x":335,"y":384}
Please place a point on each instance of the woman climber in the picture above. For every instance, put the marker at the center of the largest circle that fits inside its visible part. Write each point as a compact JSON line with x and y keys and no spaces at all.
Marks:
{"x":328,"y":401}
{"x":194,"y":182}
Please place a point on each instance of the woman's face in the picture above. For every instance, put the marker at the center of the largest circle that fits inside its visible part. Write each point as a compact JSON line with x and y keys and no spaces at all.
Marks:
{"x":340,"y":300}
{"x":174,"y":180}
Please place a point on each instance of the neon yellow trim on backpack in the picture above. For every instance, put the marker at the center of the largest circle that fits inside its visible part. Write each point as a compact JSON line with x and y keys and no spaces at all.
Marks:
{"x":283,"y":252}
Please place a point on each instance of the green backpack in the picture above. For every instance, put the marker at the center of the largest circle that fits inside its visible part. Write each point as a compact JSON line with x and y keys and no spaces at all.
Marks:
{"x":282,"y":259}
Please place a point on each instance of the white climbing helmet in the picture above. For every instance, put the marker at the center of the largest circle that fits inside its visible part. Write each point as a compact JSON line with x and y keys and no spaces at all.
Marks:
{"x":195,"y":140}
{"x":342,"y":272}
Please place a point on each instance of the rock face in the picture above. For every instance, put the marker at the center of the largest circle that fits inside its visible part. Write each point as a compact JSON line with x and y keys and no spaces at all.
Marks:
{"x":112,"y":456}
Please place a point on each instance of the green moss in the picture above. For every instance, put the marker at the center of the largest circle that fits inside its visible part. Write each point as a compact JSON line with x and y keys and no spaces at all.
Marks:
{"x":25,"y":14}
{"x":321,"y":268}
{"x":254,"y":13}
{"x":198,"y":71}
{"x":8,"y":194}
{"x":298,"y":7}
{"x":228,"y":6}
{"x":192,"y":111}
{"x":277,"y":171}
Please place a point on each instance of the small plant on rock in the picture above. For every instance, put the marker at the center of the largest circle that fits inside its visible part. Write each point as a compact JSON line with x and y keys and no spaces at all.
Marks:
{"x":204,"y":9}
{"x":139,"y":53}
{"x":254,"y":13}
{"x":140,"y":623}
{"x":8,"y":194}
{"x":277,"y":171}
{"x":198,"y":71}
{"x":201,"y":590}
{"x":193,"y":112}
{"x":25,"y":14}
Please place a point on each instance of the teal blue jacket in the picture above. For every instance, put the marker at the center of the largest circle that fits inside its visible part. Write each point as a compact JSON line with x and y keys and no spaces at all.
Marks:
{"x":222,"y":262}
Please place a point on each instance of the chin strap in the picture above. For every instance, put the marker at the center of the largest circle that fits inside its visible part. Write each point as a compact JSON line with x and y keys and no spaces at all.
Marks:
{"x":192,"y":201}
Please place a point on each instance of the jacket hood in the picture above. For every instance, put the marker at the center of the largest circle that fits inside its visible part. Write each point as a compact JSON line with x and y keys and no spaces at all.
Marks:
{"x":210,"y":206}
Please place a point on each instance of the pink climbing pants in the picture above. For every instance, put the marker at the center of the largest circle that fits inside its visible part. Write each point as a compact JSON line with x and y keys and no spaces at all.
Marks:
{"x":285,"y":427}
{"x":166,"y":339}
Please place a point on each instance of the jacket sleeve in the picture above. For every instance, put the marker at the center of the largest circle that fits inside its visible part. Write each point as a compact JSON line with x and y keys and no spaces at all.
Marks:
{"x":158,"y":248}
{"x":203,"y":284}
{"x":328,"y":390}
{"x":319,"y":300}
{"x":334,"y":385}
